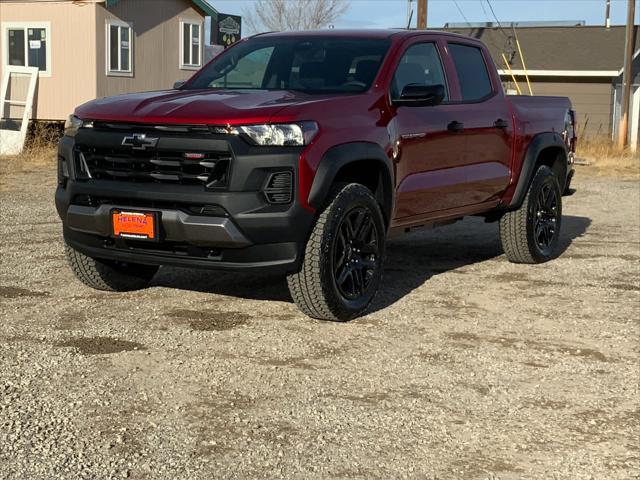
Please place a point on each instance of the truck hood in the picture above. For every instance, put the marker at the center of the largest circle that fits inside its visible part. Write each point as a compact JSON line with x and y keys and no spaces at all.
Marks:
{"x":195,"y":106}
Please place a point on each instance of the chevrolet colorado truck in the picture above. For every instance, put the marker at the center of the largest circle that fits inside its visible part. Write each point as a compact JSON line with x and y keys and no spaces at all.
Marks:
{"x":299,"y":153}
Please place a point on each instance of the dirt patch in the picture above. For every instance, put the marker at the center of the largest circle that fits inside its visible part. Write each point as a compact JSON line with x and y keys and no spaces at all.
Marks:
{"x":510,"y":277}
{"x":480,"y":467}
{"x":71,"y":320}
{"x":20,"y":339}
{"x":100,"y":345}
{"x":373,"y":398}
{"x":209,"y":320}
{"x":626,"y":286}
{"x":482,"y":390}
{"x":547,"y":404}
{"x":291,"y":362}
{"x":595,"y":257}
{"x":16,"y":292}
{"x":463,"y":336}
{"x":549,"y":347}
{"x":435,"y":357}
{"x":303,"y":362}
{"x":535,"y":365}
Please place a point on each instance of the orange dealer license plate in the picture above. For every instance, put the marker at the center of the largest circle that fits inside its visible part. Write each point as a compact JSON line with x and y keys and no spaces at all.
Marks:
{"x":134,"y":225}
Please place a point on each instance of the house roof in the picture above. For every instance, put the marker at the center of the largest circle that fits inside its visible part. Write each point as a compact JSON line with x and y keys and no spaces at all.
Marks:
{"x":587,"y":49}
{"x":201,"y":4}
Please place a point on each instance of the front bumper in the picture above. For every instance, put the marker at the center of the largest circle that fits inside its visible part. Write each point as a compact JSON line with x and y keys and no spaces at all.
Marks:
{"x":240,"y":229}
{"x":177,"y":226}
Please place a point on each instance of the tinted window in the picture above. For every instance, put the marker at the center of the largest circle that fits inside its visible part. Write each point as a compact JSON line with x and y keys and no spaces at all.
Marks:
{"x":113,"y":47}
{"x":312,"y":65}
{"x":37,"y":48}
{"x":124,"y":49}
{"x":473,"y":75}
{"x":420,"y":64}
{"x":195,"y":44}
{"x":186,"y":42}
{"x":16,"y":47}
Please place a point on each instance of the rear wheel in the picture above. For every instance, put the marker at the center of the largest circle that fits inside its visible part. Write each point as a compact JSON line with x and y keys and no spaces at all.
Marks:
{"x":531,"y":233}
{"x":109,"y":275}
{"x":342,"y":264}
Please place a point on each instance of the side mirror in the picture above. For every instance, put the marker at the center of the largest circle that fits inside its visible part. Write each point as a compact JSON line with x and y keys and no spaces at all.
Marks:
{"x":178,"y":84}
{"x":417,"y":95}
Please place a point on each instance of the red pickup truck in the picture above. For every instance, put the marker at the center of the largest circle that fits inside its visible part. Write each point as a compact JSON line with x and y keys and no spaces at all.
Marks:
{"x":300,"y":152}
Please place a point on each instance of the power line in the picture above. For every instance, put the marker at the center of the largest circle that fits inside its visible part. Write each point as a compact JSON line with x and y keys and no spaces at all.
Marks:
{"x":484,"y":9}
{"x":460,"y":10}
{"x":497,"y":21}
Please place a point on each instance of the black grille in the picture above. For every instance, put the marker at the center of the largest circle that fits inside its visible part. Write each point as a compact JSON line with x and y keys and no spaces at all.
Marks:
{"x":278,"y":188}
{"x":140,"y":127}
{"x":174,"y":249}
{"x":209,"y":169}
{"x":209,"y":210}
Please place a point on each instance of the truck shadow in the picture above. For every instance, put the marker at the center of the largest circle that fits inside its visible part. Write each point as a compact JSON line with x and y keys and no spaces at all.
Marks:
{"x":412,"y":260}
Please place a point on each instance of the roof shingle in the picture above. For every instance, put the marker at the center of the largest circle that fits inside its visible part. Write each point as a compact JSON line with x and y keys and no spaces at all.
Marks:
{"x":556,"y":48}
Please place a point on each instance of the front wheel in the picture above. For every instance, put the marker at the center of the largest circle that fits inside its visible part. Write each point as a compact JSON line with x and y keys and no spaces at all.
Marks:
{"x":342,"y":264}
{"x":531,"y":233}
{"x":109,"y":275}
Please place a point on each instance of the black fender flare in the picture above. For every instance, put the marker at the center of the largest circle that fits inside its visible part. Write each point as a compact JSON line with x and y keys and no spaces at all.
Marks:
{"x":339,"y":156}
{"x":537,"y":145}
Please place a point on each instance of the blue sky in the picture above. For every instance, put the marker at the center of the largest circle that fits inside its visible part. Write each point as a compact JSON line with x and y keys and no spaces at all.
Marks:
{"x":392,"y":13}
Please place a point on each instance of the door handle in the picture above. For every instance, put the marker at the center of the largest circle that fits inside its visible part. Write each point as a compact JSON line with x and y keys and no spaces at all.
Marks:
{"x":455,"y":126}
{"x":500,"y":123}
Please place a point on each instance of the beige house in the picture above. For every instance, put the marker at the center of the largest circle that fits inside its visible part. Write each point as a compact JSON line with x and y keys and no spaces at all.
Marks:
{"x":86,"y":49}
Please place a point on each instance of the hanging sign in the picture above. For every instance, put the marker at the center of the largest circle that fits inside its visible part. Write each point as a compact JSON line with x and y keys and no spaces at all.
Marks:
{"x":229,"y":29}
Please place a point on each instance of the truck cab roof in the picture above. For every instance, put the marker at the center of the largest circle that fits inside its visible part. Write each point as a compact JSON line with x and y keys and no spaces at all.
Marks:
{"x":378,"y":33}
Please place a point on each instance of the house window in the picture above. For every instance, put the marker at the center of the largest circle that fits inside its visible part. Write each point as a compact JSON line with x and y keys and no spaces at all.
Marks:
{"x":190,"y":52}
{"x":119,"y":48}
{"x":27,"y":45}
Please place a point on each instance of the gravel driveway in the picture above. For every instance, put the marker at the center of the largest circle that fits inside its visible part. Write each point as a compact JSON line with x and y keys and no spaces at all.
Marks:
{"x":468,"y":367}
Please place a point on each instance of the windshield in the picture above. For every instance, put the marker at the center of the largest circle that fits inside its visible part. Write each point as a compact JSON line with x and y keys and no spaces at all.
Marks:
{"x":312,"y":65}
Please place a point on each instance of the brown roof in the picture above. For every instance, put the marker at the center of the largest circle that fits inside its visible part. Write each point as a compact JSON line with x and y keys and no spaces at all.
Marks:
{"x":556,"y":48}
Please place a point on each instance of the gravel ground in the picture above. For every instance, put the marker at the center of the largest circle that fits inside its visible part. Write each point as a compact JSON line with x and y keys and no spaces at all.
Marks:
{"x":468,"y":367}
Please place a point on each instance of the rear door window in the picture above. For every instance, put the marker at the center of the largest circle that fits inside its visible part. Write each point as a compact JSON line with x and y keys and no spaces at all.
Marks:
{"x":473,"y":76}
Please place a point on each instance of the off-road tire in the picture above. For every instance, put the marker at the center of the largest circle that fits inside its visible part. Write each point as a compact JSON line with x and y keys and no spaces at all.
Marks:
{"x":517,"y":228}
{"x":109,"y":275}
{"x":314,"y":288}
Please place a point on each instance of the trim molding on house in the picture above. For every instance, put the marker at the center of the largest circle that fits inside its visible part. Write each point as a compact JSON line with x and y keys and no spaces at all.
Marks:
{"x":201,"y":4}
{"x":568,"y":73}
{"x":563,"y":73}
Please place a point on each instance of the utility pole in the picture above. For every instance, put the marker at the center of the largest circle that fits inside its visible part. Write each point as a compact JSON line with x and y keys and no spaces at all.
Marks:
{"x":422,"y":14}
{"x":623,"y":127}
{"x":607,"y":14}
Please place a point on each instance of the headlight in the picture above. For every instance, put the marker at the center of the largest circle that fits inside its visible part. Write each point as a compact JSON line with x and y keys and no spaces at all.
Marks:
{"x":72,"y":125}
{"x":282,"y":135}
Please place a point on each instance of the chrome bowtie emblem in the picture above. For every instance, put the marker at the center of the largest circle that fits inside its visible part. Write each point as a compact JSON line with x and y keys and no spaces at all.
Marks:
{"x":139,"y":141}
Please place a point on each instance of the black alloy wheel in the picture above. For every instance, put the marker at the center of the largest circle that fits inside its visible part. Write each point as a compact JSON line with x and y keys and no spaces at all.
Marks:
{"x":356,"y":253}
{"x":546,"y":220}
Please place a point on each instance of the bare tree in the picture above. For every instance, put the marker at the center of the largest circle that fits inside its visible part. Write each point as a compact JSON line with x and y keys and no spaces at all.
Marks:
{"x":279,"y":15}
